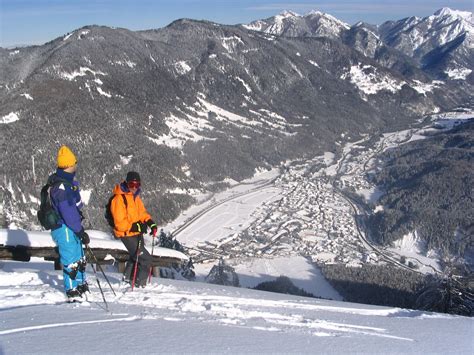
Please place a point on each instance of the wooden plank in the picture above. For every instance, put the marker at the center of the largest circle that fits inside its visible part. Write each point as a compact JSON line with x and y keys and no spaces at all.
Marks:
{"x":24,"y":253}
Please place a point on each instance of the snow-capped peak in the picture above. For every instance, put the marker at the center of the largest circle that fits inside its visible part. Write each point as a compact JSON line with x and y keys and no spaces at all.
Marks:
{"x":327,"y":17}
{"x":417,"y":37}
{"x":314,"y":12}
{"x":289,"y":23}
{"x":288,"y":13}
{"x":461,"y":20}
{"x":446,"y":11}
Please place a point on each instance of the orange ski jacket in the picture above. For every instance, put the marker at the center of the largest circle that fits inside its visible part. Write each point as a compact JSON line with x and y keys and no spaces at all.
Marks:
{"x":125,"y":216}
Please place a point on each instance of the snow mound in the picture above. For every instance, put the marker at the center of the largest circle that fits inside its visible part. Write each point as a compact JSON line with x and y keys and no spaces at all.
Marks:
{"x":11,"y":117}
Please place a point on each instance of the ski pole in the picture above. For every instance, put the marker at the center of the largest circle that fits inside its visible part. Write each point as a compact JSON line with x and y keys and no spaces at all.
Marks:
{"x":100,"y":268}
{"x":151,"y":267}
{"x":136,"y":262}
{"x":100,"y":288}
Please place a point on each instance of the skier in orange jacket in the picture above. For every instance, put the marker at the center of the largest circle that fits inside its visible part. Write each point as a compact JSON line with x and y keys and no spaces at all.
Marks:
{"x":131,"y":221}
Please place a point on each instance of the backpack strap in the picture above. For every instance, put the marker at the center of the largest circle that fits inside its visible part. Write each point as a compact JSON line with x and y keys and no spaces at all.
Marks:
{"x":125,"y":201}
{"x":44,"y":194}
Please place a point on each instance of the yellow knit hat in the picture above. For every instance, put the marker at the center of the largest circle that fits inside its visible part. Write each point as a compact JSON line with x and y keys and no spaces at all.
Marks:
{"x":66,"y":158}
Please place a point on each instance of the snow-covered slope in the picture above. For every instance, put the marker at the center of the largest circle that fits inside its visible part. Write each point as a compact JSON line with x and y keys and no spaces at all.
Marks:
{"x":444,"y":39}
{"x":417,"y":36}
{"x":185,"y":317}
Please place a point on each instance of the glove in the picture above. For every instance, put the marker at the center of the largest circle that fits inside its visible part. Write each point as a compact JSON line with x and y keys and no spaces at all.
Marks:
{"x":84,"y":237}
{"x":153,"y":227}
{"x":138,"y":227}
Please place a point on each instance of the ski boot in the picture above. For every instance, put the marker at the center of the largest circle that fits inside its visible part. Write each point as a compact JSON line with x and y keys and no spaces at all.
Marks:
{"x":73,"y":295}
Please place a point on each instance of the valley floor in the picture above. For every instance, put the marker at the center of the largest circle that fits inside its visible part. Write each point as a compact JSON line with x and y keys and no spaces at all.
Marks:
{"x":307,"y":209}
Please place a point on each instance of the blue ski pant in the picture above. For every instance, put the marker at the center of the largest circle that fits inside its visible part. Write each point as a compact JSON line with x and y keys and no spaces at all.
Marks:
{"x":71,"y":256}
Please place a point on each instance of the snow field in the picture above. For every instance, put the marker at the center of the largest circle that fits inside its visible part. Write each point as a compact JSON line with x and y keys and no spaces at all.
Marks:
{"x":177,"y":316}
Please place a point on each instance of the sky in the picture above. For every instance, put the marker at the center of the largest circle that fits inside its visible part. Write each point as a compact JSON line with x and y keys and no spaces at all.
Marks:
{"x":38,"y":21}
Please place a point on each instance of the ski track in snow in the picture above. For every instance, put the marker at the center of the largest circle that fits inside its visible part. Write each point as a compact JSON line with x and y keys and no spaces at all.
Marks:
{"x":168,"y":302}
{"x":180,"y":302}
{"x":55,"y":325}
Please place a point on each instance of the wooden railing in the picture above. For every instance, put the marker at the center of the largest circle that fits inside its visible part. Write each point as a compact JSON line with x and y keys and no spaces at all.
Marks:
{"x":104,"y":256}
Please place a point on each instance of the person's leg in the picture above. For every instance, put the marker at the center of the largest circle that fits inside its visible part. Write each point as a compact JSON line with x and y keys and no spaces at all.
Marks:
{"x":81,"y":277}
{"x":127,"y":274}
{"x":145,"y":262}
{"x":69,"y":255}
{"x":131,"y":243}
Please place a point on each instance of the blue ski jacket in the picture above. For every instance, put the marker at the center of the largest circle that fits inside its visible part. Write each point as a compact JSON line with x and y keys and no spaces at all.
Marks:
{"x":66,"y":199}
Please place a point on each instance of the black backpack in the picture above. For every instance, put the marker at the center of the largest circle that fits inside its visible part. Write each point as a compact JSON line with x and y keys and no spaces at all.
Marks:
{"x":108,"y":211}
{"x":47,"y":215}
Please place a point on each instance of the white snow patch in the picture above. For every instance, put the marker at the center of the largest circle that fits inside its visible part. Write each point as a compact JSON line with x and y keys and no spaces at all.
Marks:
{"x":295,"y":68}
{"x":15,"y":52}
{"x":86,"y":196}
{"x":231,"y":43}
{"x":27,"y":96}
{"x":329,"y":158}
{"x":369,"y":81}
{"x":416,"y":251}
{"x":81,"y":72}
{"x":102,"y":92}
{"x":378,"y":208}
{"x":125,"y":63}
{"x":246,"y":86}
{"x":82,"y":33}
{"x":177,"y":191}
{"x":66,"y":37}
{"x":255,"y":26}
{"x":410,"y":242}
{"x":371,"y":194}
{"x":423,"y":88}
{"x":11,"y":117}
{"x":314,"y":63}
{"x":182,"y":67}
{"x":272,"y":114}
{"x":125,"y":159}
{"x":183,"y":129}
{"x":224,"y":115}
{"x":458,"y":74}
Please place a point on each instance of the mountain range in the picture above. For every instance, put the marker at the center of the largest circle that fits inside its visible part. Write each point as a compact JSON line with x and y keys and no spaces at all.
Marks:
{"x":440,"y":44}
{"x":196,"y":103}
